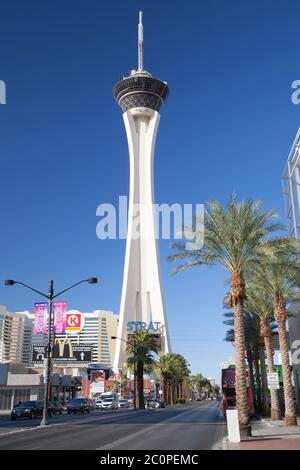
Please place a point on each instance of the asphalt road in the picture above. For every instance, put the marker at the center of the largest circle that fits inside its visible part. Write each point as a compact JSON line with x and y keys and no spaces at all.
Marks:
{"x":194,"y":426}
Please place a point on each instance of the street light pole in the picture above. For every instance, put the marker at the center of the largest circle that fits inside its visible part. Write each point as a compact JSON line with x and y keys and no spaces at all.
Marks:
{"x":134,"y":374}
{"x":134,"y":366}
{"x":48,"y":360}
{"x":49,"y":350}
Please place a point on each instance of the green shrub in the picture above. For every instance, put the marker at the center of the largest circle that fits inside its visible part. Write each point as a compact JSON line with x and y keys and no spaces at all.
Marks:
{"x":180,"y":400}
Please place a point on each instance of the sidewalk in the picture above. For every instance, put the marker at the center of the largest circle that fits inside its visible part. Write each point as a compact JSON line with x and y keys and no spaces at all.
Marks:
{"x":268,"y":435}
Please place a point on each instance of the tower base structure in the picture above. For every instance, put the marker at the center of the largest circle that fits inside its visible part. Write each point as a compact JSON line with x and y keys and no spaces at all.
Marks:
{"x":142,"y":303}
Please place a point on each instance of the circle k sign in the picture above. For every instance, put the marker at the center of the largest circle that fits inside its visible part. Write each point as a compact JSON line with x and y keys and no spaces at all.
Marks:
{"x":74,"y":322}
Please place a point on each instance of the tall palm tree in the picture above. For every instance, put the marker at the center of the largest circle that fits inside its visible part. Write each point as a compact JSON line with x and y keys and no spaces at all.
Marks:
{"x":139,"y":352}
{"x":235,"y":238}
{"x":279,"y":278}
{"x":182,"y":372}
{"x":173,"y":369}
{"x":260,"y":303}
{"x":165,"y":368}
{"x":252,"y":343}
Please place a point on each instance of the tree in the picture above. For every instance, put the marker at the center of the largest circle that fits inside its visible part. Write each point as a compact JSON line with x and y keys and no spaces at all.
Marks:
{"x":260,"y":303}
{"x":279,"y":278}
{"x":139,"y":350}
{"x":252,"y":343}
{"x":236,"y":237}
{"x":173,"y":370}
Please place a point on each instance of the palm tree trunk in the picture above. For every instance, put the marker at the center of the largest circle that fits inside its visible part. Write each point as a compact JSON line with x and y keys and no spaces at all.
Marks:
{"x":257,"y":379}
{"x":250,"y":363}
{"x":275,"y":409}
{"x":237,"y":291}
{"x":165,"y":389}
{"x":266,"y":333}
{"x":264,"y":382}
{"x":140,"y":385}
{"x":168,"y":393}
{"x":290,"y":411}
{"x":173,"y":386}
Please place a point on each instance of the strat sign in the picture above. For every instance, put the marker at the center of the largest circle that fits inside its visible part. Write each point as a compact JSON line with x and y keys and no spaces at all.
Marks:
{"x":74,"y":322}
{"x":141,"y":325}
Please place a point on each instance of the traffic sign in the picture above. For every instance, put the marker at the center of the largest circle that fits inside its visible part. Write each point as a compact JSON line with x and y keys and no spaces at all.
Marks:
{"x":74,"y":322}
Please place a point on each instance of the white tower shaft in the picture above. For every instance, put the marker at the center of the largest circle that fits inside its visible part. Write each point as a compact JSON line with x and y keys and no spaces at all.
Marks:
{"x":142,"y":296}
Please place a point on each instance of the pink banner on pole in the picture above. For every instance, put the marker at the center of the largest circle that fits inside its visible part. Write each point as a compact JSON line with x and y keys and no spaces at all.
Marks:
{"x":40,"y":319}
{"x":59,"y":311}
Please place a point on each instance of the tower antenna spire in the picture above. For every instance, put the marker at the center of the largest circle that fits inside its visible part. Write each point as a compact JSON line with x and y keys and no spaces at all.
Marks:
{"x":140,"y":43}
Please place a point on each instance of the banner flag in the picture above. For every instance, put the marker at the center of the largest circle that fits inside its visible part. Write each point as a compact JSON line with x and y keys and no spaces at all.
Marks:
{"x":40,"y":319}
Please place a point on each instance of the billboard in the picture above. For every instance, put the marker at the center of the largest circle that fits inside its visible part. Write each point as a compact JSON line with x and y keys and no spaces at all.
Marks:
{"x":63,"y":352}
{"x":59,"y":315}
{"x":40,"y":319}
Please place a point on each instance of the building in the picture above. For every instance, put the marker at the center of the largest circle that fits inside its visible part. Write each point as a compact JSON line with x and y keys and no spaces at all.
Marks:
{"x":15,"y":337}
{"x":21,"y":383}
{"x":141,"y":96}
{"x":291,"y":191}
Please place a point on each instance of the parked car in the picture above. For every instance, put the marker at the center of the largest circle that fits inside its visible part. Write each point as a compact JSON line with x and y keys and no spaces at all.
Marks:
{"x":92,"y":404}
{"x":160,"y":403}
{"x":123,"y":403}
{"x":150,"y":403}
{"x":98,"y":404}
{"x":30,"y":409}
{"x":57,"y":407}
{"x":64,"y":405}
{"x":78,"y":404}
{"x":109,"y":404}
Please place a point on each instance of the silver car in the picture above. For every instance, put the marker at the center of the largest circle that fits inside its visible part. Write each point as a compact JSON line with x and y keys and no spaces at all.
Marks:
{"x":123,"y":403}
{"x":109,"y":404}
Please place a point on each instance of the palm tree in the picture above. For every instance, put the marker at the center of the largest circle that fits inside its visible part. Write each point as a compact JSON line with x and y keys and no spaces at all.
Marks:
{"x":173,"y":370}
{"x":255,"y":356}
{"x":279,"y":278}
{"x":139,"y":350}
{"x":235,"y":238}
{"x":260,"y":303}
{"x":252,"y":343}
{"x":165,"y":367}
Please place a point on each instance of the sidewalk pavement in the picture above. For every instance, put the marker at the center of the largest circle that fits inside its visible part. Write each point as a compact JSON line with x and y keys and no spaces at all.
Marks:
{"x":268,"y":435}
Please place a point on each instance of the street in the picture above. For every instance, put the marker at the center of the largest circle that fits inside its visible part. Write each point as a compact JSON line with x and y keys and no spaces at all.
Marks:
{"x":194,"y":426}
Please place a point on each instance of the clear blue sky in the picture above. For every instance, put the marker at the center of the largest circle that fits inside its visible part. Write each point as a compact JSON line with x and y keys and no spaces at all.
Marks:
{"x":228,"y":125}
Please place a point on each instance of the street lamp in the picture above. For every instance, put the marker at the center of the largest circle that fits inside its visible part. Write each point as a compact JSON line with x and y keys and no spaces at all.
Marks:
{"x":134,"y":365}
{"x":49,"y":351}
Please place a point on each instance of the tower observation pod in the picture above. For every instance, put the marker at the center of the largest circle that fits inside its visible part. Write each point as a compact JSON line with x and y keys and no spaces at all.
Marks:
{"x":142,"y":305}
